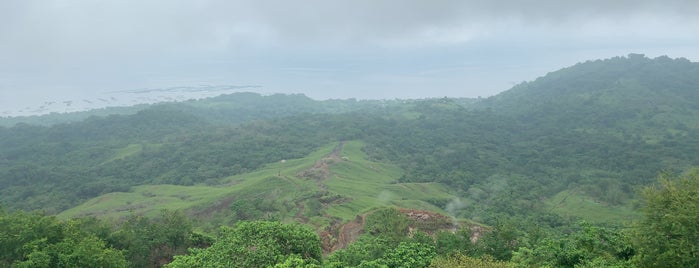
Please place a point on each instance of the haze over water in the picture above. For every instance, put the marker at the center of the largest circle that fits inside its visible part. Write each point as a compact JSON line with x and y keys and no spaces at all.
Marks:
{"x":84,"y":51}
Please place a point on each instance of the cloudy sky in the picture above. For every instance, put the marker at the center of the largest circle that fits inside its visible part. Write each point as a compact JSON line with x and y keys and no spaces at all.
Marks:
{"x":59,"y":50}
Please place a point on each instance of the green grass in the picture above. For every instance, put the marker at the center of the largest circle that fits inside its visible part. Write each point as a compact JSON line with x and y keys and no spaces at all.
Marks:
{"x":127,"y":151}
{"x":147,"y":200}
{"x":363,"y":184}
{"x":570,"y":203}
{"x":371,"y":184}
{"x":150,"y":199}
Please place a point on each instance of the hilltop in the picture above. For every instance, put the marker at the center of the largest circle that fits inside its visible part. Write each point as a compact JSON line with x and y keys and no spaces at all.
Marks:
{"x":610,"y":93}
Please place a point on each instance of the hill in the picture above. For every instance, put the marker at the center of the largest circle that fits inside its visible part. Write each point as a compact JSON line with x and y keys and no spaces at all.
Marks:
{"x":609,"y":94}
{"x":591,"y":132}
{"x":325,"y":189}
{"x":226,"y":109}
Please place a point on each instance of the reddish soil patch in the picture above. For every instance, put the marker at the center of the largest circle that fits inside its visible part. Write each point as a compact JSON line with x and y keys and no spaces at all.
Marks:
{"x":428,"y":222}
{"x":339,"y":236}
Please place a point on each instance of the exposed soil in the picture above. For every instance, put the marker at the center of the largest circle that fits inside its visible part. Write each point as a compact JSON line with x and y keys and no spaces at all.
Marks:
{"x":427,"y":221}
{"x":320,"y":171}
{"x":339,"y":236}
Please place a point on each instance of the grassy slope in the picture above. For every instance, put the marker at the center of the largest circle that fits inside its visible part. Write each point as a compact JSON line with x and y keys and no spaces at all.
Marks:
{"x":363,"y":185}
{"x":370,"y":184}
{"x":571,"y":203}
{"x":127,"y":151}
{"x":149,"y":199}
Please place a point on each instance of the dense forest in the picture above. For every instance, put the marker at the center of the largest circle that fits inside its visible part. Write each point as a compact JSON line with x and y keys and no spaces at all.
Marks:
{"x":561,"y":171}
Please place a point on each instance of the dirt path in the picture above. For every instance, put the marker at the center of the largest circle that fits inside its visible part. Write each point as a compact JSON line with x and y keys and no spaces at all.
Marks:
{"x":320,"y":171}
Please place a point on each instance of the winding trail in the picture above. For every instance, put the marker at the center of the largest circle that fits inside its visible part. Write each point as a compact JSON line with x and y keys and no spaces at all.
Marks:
{"x":320,"y":171}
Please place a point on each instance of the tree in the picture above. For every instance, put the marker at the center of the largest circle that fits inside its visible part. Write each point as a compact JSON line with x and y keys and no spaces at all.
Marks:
{"x":409,"y":255}
{"x":668,"y":234}
{"x":388,"y":222}
{"x":367,"y":248}
{"x":256,"y":244}
{"x":448,"y":242}
{"x":37,"y":240}
{"x":587,"y":246}
{"x":151,"y":242}
{"x":460,"y":260}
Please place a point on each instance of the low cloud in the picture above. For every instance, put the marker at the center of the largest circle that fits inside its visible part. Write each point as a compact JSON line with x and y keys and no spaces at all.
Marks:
{"x":380,"y":46}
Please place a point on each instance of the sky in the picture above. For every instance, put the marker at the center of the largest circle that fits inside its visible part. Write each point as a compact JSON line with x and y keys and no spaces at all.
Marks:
{"x":65,"y":55}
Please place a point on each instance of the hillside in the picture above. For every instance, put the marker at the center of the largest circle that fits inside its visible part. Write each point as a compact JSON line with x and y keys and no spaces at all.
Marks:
{"x":337,"y":179}
{"x":325,"y":189}
{"x":594,"y":131}
{"x":616,"y":93}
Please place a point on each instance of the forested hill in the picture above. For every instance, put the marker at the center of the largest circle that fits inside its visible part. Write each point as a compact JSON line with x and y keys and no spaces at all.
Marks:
{"x":610,"y":93}
{"x":228,"y":109}
{"x":595,"y":131}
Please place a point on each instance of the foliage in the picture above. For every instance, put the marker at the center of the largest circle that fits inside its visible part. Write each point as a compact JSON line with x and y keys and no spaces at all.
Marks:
{"x":387,"y":222}
{"x":460,"y":260}
{"x":153,"y":242}
{"x":586,"y":246}
{"x":668,"y":234}
{"x":409,"y":254}
{"x":366,"y":249}
{"x":296,"y":261}
{"x":447,"y":242}
{"x":37,"y":240}
{"x":378,"y":251}
{"x":256,"y":244}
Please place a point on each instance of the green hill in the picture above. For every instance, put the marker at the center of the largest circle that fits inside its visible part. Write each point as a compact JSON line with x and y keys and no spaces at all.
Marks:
{"x":616,"y":93}
{"x":227,"y":109}
{"x":334,"y":183}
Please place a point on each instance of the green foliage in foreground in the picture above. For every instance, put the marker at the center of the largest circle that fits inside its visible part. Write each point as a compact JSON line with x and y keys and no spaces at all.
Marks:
{"x":256,"y":244}
{"x":461,"y":260}
{"x":587,"y":246}
{"x":668,"y":235}
{"x":36,"y":240}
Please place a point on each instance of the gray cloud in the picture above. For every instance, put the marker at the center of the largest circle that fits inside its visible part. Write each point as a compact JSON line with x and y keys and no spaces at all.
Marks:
{"x":144,"y":27}
{"x":326,"y":48}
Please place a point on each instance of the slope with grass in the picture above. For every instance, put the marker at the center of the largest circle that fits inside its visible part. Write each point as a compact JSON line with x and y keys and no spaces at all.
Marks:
{"x":573,"y":203}
{"x":372,"y":184}
{"x":335,"y":183}
{"x":149,"y":199}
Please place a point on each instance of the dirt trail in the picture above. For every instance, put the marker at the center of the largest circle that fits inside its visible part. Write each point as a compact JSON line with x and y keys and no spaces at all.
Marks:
{"x":337,"y":235}
{"x":320,"y":171}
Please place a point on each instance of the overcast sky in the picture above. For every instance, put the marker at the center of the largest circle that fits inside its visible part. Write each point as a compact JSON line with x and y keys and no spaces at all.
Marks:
{"x":53,"y":50}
